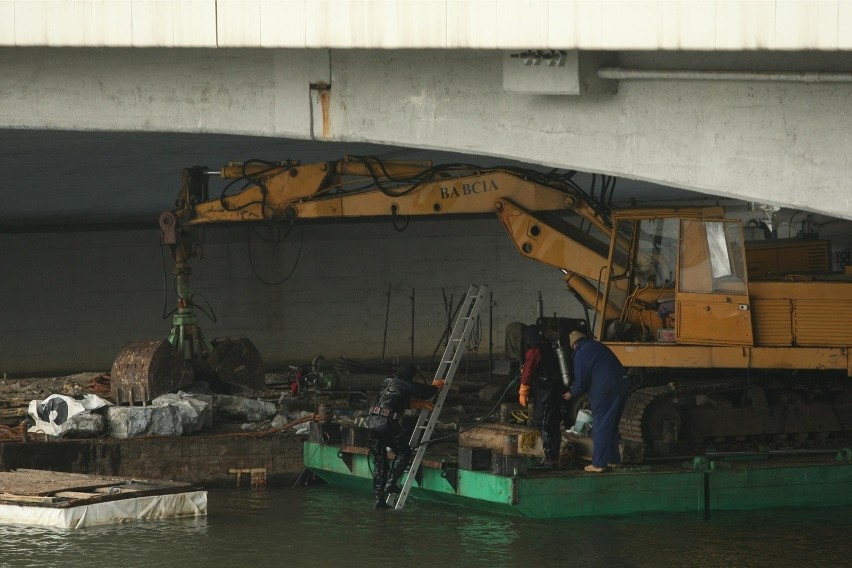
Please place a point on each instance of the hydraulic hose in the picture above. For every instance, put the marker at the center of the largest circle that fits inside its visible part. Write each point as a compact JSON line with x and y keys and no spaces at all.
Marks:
{"x":512,"y":383}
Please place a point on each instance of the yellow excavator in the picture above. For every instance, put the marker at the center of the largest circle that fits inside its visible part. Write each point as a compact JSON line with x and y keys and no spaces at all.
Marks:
{"x":720,"y":361}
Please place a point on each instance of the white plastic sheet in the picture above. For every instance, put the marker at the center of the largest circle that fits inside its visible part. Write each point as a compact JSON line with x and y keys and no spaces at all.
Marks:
{"x":51,"y":415}
{"x":189,"y":504}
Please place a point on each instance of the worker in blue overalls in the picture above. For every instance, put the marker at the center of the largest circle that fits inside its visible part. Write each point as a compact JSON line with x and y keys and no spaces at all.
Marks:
{"x":598,"y":372}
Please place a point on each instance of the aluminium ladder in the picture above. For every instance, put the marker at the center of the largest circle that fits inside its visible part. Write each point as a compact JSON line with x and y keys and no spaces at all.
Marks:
{"x":465,"y":322}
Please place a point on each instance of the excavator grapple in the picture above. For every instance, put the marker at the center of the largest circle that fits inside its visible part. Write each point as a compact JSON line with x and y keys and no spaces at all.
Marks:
{"x":236,"y":362}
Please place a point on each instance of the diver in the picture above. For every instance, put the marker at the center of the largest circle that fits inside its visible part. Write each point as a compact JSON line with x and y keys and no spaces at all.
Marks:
{"x":540,"y":380}
{"x":384,"y":421}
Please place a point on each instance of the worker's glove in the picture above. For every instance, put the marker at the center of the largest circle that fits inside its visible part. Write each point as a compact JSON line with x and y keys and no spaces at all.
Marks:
{"x":523,"y":394}
{"x":417,"y":404}
{"x":439,"y":383}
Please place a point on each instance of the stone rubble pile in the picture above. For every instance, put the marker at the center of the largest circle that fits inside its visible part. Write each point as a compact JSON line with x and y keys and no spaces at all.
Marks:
{"x":173,"y":414}
{"x":196,"y":409}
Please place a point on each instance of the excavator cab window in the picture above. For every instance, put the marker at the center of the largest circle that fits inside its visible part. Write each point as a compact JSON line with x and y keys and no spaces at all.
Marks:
{"x":656,"y":256}
{"x":644,"y":261}
{"x":646,"y":251}
{"x":712,"y":257}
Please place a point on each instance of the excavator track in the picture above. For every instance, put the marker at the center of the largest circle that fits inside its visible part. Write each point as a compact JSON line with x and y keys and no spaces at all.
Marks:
{"x":695,"y":418}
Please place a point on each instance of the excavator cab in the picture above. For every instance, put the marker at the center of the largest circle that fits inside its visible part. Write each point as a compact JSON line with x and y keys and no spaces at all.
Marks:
{"x":679,"y":280}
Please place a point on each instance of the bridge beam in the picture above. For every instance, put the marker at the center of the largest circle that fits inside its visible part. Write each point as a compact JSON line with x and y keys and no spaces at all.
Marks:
{"x":778,"y":142}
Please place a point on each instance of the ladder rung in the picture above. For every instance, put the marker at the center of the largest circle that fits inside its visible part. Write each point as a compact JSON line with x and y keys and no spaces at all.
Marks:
{"x":451,"y":357}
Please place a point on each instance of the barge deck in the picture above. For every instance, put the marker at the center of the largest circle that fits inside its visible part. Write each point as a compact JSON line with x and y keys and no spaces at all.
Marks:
{"x":700,"y":485}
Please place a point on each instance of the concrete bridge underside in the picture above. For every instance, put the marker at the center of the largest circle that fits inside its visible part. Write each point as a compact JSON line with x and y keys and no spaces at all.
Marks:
{"x":768,"y":137}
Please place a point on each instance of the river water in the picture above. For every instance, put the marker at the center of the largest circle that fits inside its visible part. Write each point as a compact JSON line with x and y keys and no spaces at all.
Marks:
{"x":323,"y":526}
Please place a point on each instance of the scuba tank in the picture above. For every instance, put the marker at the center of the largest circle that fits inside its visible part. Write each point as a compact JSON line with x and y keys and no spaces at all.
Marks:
{"x":565,"y":367}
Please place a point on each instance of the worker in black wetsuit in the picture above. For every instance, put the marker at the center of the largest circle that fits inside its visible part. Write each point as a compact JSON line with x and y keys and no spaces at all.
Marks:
{"x":386,"y":431}
{"x":540,"y":381}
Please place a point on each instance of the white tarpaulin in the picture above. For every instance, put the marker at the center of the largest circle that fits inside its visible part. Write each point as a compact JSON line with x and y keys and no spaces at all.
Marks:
{"x":189,"y":504}
{"x":51,"y":415}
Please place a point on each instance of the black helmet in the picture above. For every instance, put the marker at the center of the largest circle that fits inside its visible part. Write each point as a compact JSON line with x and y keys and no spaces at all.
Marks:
{"x":533,"y":335}
{"x":406,"y":372}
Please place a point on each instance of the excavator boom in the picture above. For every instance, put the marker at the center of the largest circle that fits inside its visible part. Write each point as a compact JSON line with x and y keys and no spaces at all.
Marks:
{"x":363,"y":187}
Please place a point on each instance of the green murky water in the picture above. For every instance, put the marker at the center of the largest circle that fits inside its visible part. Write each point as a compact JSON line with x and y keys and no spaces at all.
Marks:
{"x":322,"y":526}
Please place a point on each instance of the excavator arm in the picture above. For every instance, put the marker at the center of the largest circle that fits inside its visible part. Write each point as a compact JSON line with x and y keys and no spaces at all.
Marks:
{"x":369,"y":187}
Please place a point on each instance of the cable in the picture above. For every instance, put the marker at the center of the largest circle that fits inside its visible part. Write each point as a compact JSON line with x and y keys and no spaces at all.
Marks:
{"x":400,"y":228}
{"x":245,"y":186}
{"x":211,"y":314}
{"x":512,"y":383}
{"x":608,"y":181}
{"x":165,"y":284}
{"x":295,"y":263}
{"x":250,"y":180}
{"x":281,"y":237}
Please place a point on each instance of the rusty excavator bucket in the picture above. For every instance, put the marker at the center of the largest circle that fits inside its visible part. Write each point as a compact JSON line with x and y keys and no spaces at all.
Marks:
{"x":144,"y":370}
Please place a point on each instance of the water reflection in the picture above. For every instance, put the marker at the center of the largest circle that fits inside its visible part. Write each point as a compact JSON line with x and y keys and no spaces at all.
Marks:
{"x":324,"y":526}
{"x":126,"y":545}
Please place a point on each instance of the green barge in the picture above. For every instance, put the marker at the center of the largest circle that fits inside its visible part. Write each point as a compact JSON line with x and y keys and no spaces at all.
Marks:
{"x":701,"y":485}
